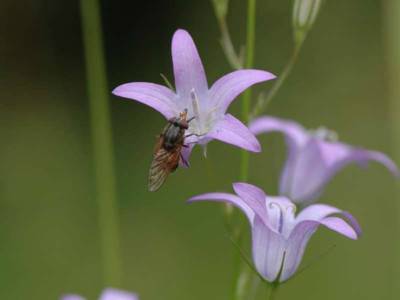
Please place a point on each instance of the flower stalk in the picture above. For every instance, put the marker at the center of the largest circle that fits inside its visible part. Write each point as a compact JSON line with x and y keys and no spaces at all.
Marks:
{"x":105,"y":190}
{"x":264,"y":101}
{"x":241,"y":271}
{"x":221,"y":10}
{"x":272,"y":290}
{"x":391,"y":10}
{"x":250,"y":43}
{"x":304,"y":14}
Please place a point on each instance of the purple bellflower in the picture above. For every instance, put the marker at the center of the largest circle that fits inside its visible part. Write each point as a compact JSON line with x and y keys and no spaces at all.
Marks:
{"x":314,"y":157}
{"x":279,"y":237}
{"x":207,"y":105}
{"x":108,"y":294}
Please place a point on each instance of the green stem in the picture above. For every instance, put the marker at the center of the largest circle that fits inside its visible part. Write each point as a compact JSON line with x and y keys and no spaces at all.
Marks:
{"x":234,"y":59}
{"x":263,"y":103}
{"x":102,"y":141}
{"x":240,"y":269}
{"x":250,"y":41}
{"x":391,"y":20}
{"x":272,"y":290}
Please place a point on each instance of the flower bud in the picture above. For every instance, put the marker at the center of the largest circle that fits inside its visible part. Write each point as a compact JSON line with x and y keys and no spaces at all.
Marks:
{"x":220,"y":7}
{"x":304,"y":15}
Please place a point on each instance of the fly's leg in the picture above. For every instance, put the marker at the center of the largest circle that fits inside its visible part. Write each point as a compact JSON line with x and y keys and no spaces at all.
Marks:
{"x":191,"y":119}
{"x":184,"y":161}
{"x":194,"y":134}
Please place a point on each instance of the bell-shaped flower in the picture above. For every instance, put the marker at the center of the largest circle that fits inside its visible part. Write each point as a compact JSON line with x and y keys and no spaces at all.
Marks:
{"x":279,"y":237}
{"x":313,"y":157}
{"x":108,"y":294}
{"x":207,"y":105}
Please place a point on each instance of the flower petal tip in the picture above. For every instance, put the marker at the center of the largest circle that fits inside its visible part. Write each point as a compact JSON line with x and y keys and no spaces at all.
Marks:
{"x":181,"y":31}
{"x":353,"y":236}
{"x":116,"y":91}
{"x":257,"y":147}
{"x":353,"y":223}
{"x":396,"y":172}
{"x":181,"y":35}
{"x":253,"y":146}
{"x":190,"y":200}
{"x":267,"y":75}
{"x":194,"y":199}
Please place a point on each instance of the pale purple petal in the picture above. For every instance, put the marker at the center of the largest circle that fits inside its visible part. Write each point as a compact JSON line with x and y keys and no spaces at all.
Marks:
{"x":188,"y":68}
{"x":227,"y":198}
{"x":305,"y":174}
{"x":363,"y":156}
{"x":228,"y":87}
{"x":295,"y":247}
{"x":313,"y":161}
{"x":114,"y":294}
{"x":230,"y":130}
{"x":319,"y":161}
{"x":295,"y":136}
{"x":352,"y":222}
{"x":307,"y":224}
{"x":154,"y":95}
{"x":322,"y":212}
{"x":185,"y":153}
{"x":254,"y":197}
{"x":294,"y":133}
{"x":340,"y":226}
{"x":268,"y":250}
{"x":72,"y":297}
{"x":316,"y":212}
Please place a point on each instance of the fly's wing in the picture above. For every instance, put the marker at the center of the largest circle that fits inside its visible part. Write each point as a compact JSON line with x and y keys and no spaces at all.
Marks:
{"x":164,"y":162}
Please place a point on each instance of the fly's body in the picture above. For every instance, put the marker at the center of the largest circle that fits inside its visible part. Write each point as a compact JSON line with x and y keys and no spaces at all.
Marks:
{"x":167,"y":152}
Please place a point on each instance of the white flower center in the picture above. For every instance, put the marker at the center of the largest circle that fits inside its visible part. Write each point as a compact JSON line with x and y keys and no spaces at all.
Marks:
{"x":205,"y":118}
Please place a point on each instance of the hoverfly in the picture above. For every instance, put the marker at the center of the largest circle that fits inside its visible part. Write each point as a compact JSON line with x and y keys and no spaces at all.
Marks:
{"x":167,"y":151}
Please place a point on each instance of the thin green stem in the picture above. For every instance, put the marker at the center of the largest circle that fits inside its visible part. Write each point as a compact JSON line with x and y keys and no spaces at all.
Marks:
{"x":242,"y":271}
{"x":234,"y":59}
{"x":272,"y":291}
{"x":256,"y":281}
{"x":250,"y":43}
{"x":391,"y":20}
{"x":102,"y":141}
{"x":264,"y":101}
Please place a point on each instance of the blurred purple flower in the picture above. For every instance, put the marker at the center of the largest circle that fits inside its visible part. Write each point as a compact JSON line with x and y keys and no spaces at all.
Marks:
{"x":279,"y":237}
{"x":207,"y":105}
{"x":314,"y":157}
{"x":108,"y":294}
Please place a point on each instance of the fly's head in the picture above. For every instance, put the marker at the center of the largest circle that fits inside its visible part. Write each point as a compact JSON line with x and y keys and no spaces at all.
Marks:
{"x":181,"y":122}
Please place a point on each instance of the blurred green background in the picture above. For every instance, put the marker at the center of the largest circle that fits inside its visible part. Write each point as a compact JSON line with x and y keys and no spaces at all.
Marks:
{"x":49,"y":238}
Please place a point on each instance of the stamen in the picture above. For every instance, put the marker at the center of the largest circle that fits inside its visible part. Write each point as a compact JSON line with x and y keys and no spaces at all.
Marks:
{"x":282,"y":212}
{"x":280,"y":221}
{"x":205,"y":150}
{"x":196,"y":109}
